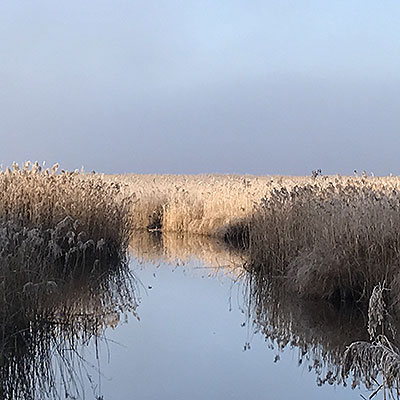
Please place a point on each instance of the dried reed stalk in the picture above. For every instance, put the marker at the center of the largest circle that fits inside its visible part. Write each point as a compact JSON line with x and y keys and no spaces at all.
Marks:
{"x":379,"y":358}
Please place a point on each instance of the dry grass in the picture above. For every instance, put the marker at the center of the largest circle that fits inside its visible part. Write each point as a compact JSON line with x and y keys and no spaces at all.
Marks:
{"x":57,"y":230}
{"x":41,"y":199}
{"x":56,"y":225}
{"x":197,"y":204}
{"x":321,"y":237}
{"x":332,"y":239}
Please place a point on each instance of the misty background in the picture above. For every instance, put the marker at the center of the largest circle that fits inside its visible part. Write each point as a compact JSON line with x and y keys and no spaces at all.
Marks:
{"x":228,"y":86}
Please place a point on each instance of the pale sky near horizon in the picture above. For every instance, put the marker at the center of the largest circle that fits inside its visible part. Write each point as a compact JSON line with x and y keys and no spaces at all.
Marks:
{"x":261,"y":87}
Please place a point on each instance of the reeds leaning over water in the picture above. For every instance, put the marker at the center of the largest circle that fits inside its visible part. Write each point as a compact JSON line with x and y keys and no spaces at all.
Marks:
{"x":378,"y":359}
{"x":331,"y":237}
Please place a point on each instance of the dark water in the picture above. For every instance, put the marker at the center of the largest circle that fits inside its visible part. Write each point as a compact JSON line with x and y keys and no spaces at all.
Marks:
{"x":202,"y":330}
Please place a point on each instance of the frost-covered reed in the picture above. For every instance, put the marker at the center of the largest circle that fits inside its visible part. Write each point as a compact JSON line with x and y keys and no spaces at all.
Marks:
{"x":33,"y":198}
{"x":376,"y":362}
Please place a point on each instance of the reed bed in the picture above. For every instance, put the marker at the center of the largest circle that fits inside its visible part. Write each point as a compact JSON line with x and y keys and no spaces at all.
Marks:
{"x":198,"y":204}
{"x":36,"y":198}
{"x":53,"y":225}
{"x":213,"y":205}
{"x":56,"y":225}
{"x":56,"y":229}
{"x":323,"y":238}
{"x":330,"y":239}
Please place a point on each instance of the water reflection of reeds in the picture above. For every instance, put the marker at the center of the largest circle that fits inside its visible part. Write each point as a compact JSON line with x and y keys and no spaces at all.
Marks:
{"x":320,"y":331}
{"x":333,"y":341}
{"x":176,"y":249}
{"x":46,"y":318}
{"x":51,"y":305}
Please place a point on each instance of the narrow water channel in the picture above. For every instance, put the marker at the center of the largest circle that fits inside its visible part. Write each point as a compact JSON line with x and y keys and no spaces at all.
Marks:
{"x":197,"y":327}
{"x":194,"y":341}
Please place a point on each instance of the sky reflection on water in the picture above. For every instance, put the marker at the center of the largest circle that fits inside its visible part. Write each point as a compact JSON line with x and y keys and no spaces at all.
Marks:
{"x":189,"y":343}
{"x":182,"y":320}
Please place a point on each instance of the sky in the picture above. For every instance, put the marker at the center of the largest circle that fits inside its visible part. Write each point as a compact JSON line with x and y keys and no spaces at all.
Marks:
{"x":227,"y":86}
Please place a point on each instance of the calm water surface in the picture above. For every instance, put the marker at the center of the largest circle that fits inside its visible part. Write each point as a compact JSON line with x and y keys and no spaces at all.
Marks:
{"x":182,"y":320}
{"x":199,"y":333}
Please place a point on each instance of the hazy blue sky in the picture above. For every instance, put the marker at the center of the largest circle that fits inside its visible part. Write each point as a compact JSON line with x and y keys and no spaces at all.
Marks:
{"x":185,"y":86}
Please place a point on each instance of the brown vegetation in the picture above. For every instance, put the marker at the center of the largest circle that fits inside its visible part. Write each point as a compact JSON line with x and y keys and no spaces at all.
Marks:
{"x":332,"y":240}
{"x":198,"y":204}
{"x":378,"y":358}
{"x":330,"y":237}
{"x":32,"y":198}
{"x":58,"y":231}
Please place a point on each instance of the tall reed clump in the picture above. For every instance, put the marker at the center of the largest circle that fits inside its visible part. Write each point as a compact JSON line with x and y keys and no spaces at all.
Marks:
{"x":55,"y":225}
{"x":332,"y":241}
{"x":55,"y":229}
{"x":73,"y":210}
